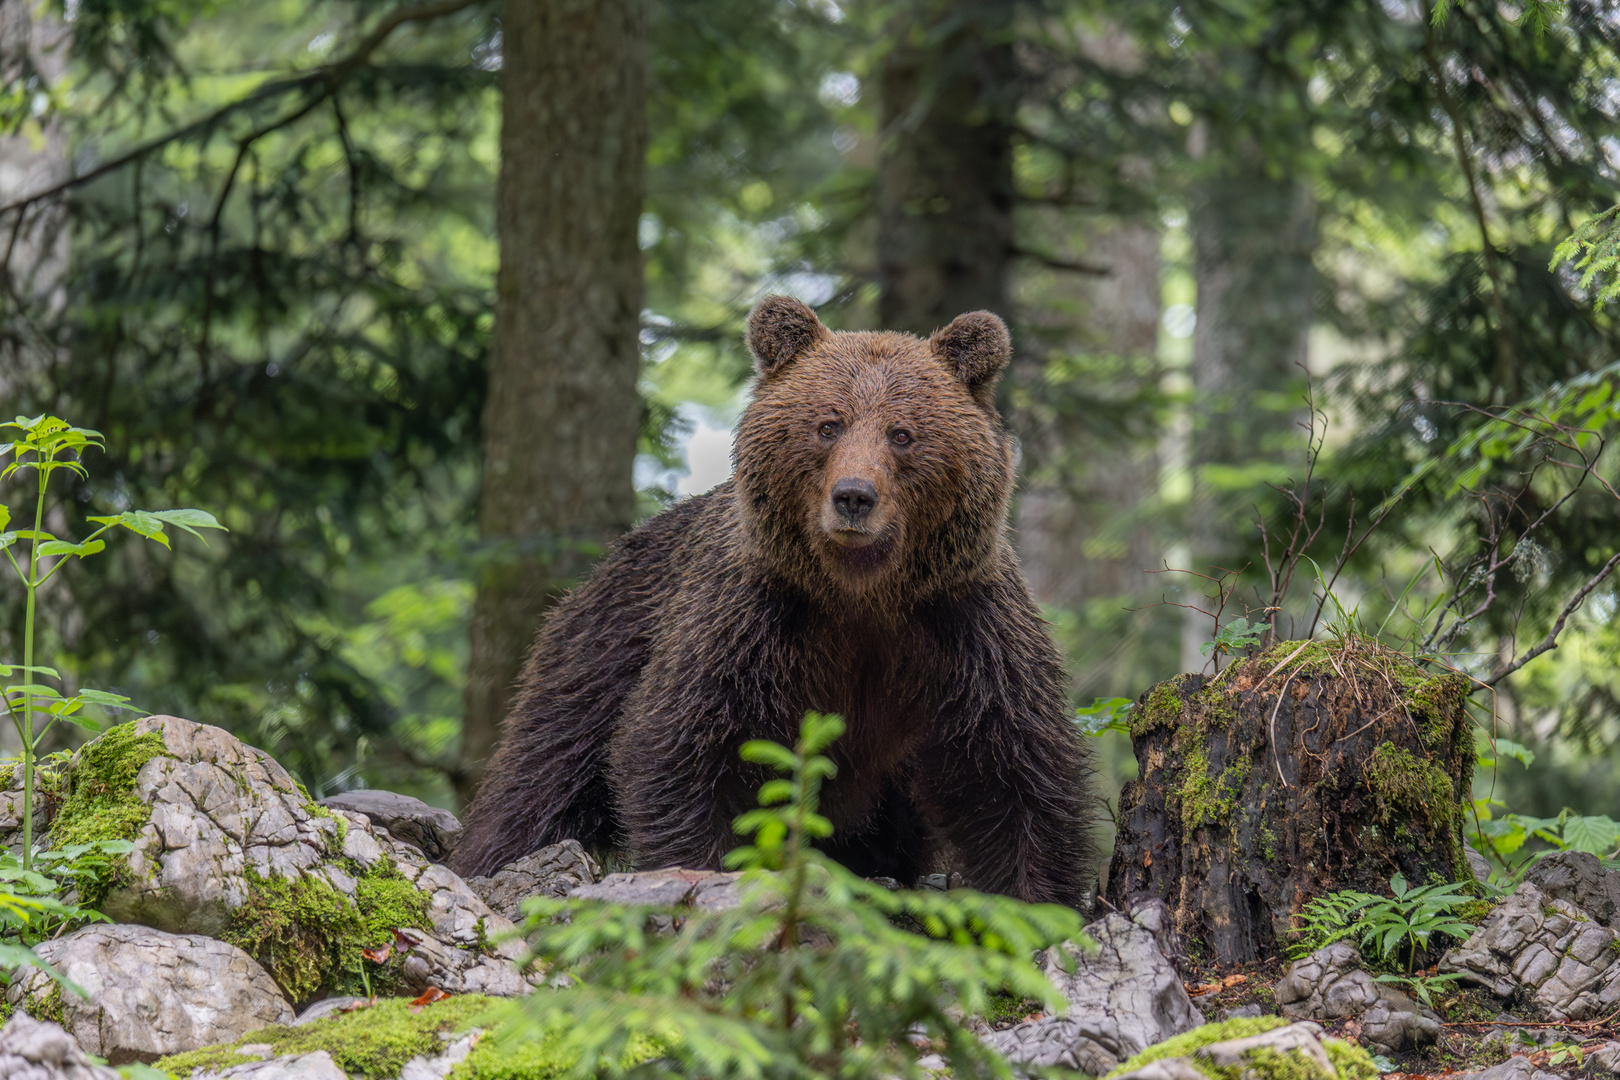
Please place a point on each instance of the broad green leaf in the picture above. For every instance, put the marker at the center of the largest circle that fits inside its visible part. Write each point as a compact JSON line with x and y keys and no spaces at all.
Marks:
{"x":105,"y":700}
{"x":139,"y":522}
{"x":5,"y":516}
{"x":65,"y":547}
{"x":189,"y":520}
{"x":1598,"y":835}
{"x":36,"y":689}
{"x":34,"y":534}
{"x":37,"y":669}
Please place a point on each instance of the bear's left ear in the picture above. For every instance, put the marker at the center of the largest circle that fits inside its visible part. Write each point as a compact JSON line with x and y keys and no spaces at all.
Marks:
{"x":976,"y":346}
{"x":780,"y":330}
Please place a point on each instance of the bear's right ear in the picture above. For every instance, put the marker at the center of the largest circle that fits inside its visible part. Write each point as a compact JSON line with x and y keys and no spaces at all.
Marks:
{"x":780,"y":330}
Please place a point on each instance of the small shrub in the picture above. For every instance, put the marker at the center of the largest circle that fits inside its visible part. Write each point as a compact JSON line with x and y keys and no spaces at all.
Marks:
{"x":811,"y":975}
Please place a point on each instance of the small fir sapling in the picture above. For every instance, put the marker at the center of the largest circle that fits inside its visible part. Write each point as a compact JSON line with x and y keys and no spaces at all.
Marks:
{"x":817,"y":972}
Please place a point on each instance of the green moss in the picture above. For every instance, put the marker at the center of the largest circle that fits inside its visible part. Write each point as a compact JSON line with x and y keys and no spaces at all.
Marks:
{"x":316,"y":810}
{"x":1316,"y":658}
{"x":98,"y":802}
{"x":302,"y":930}
{"x":1184,"y":1044}
{"x":371,"y":1042}
{"x":309,"y":936}
{"x":377,"y":1042}
{"x":1351,"y":1063}
{"x":1411,"y":787}
{"x":1160,"y":709}
{"x":1008,"y":1008}
{"x":387,"y":902}
{"x":97,"y":797}
{"x":1206,"y":798}
{"x":48,"y":1006}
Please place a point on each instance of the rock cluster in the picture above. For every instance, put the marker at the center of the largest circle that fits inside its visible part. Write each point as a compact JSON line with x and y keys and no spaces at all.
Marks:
{"x":1330,"y":984}
{"x":1122,"y":999}
{"x":152,"y":993}
{"x":1246,"y":1053}
{"x":40,"y":1050}
{"x":1549,"y":941}
{"x":228,"y":853}
{"x":431,"y":831}
{"x":553,"y":871}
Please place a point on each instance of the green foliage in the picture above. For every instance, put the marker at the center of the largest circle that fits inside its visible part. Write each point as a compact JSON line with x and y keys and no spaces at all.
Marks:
{"x":1423,"y":987}
{"x":1503,"y":836}
{"x":1235,"y":636}
{"x":33,"y":904}
{"x":46,"y":445}
{"x":1594,"y":249}
{"x":781,"y":986}
{"x":1105,"y":714}
{"x":1384,"y":927}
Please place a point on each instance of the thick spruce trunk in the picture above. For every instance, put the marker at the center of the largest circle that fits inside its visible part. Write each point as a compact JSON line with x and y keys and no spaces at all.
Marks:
{"x":1305,"y":769}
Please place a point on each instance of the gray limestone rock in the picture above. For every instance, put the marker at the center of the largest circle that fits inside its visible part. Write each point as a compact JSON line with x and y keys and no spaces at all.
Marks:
{"x":40,"y":1050}
{"x":553,"y":871}
{"x":224,"y":813}
{"x":1122,"y":999}
{"x":1605,"y":1059}
{"x":317,"y":1065}
{"x":706,"y":890}
{"x":1561,"y":958}
{"x":429,"y":962}
{"x":438,"y":1066}
{"x":152,"y":993}
{"x":430,"y":830}
{"x":1300,"y":1040}
{"x":1330,"y":984}
{"x":1514,"y":1068}
{"x":331,"y":1006}
{"x":1579,"y":878}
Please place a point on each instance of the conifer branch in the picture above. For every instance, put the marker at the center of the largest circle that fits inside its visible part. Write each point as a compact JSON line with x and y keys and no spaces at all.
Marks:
{"x":319,"y":83}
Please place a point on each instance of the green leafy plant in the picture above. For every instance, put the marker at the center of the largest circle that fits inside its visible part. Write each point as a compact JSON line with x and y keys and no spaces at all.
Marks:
{"x":46,"y":445}
{"x":1422,"y":987}
{"x":34,"y":904}
{"x":1384,"y":927}
{"x":1503,"y":835}
{"x":1105,"y":714}
{"x":1234,"y":636}
{"x":815,"y":973}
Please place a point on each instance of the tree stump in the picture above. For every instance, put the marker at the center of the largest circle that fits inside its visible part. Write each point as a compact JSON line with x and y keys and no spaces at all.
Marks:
{"x":1311,"y":767}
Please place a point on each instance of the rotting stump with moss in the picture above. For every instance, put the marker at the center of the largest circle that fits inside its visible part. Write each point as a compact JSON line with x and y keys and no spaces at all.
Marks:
{"x":1310,"y":767}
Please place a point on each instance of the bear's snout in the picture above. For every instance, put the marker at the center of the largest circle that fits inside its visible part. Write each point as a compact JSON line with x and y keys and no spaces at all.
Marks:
{"x":854,"y":499}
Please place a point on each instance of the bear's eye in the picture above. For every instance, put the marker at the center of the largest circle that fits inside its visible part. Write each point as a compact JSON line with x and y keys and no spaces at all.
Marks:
{"x":829,"y":430}
{"x":900,"y":436}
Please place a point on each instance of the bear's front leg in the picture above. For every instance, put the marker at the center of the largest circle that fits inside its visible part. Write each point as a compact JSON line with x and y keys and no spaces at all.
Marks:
{"x":675,"y":766}
{"x":1004,"y":773}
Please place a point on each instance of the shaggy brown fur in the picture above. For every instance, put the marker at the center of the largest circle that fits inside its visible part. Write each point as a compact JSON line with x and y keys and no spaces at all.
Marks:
{"x":858,"y":564}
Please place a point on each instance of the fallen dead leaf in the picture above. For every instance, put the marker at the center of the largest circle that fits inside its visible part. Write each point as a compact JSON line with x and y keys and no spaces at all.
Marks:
{"x":428,"y":997}
{"x":379,"y":955}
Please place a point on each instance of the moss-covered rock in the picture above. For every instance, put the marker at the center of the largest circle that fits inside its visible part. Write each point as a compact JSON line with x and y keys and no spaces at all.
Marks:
{"x":228,"y":844}
{"x":379,"y":1040}
{"x":1276,"y":1062}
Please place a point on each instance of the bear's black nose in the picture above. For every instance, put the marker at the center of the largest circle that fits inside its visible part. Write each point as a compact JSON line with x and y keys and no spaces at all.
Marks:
{"x":854,"y":499}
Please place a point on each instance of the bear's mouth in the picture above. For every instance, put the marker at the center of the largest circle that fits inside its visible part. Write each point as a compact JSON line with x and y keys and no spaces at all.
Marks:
{"x":858,"y":551}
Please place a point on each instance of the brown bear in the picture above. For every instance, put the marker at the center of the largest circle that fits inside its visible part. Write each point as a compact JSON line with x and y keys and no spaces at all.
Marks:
{"x":858,"y":563}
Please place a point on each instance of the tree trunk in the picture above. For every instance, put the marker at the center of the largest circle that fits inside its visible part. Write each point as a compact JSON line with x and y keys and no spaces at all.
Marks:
{"x":1085,"y":474}
{"x":945,"y":179}
{"x":1309,"y":768}
{"x":1253,"y":238}
{"x":563,"y":410}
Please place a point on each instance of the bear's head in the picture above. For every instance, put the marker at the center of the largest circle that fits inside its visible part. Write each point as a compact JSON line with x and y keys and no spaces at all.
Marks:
{"x":874,"y":462}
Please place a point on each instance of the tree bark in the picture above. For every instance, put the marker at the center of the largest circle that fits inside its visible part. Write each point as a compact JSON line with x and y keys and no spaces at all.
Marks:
{"x":945,"y":178}
{"x":1253,"y":239}
{"x":1309,"y":768}
{"x":563,"y":411}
